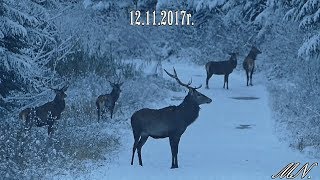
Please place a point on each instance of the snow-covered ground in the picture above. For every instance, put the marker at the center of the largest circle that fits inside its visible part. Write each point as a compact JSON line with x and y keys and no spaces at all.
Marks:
{"x":231,"y":139}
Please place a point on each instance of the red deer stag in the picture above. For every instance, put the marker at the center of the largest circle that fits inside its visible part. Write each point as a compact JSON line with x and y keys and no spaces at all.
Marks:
{"x":221,"y":68}
{"x":249,"y":63}
{"x":108,"y":101}
{"x":46,"y":114}
{"x":171,"y":121}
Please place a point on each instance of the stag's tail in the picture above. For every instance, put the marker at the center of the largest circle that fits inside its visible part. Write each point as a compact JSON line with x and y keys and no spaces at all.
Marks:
{"x":23,"y":115}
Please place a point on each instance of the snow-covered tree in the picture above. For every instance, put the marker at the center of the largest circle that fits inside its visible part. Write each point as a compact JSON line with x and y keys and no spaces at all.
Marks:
{"x":26,"y":42}
{"x":307,"y":13}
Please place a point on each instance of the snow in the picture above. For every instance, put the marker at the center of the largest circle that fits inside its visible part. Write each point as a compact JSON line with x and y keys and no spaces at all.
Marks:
{"x":87,"y":3}
{"x":212,"y":147}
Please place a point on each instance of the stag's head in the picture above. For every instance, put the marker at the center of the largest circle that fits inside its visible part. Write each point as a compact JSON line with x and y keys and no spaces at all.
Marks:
{"x":255,"y":50}
{"x":60,"y":93}
{"x":116,"y":87}
{"x":233,"y":56}
{"x":196,"y":96}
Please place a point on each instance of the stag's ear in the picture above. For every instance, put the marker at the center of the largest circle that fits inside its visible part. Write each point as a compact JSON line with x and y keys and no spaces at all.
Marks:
{"x":121,"y":84}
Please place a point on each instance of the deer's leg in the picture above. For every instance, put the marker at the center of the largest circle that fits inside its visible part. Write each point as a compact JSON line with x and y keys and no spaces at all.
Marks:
{"x":247,"y":73}
{"x":99,"y":113}
{"x":141,"y":142}
{"x":111,"y":108}
{"x":251,"y":76}
{"x":209,"y":75}
{"x":172,"y":152}
{"x":227,"y":80}
{"x":28,"y":123}
{"x":50,"y":126}
{"x":136,"y":136}
{"x":174,"y":144}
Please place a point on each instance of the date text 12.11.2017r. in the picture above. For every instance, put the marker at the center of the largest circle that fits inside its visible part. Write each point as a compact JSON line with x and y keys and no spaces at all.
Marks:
{"x":166,"y":18}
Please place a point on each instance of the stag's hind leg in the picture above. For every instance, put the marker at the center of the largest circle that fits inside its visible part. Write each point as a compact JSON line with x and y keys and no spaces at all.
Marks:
{"x":141,"y":142}
{"x":29,"y":123}
{"x":209,"y":75}
{"x":136,"y":136}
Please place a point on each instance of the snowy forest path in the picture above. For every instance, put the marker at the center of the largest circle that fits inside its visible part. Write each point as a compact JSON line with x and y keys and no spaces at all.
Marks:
{"x":233,"y":138}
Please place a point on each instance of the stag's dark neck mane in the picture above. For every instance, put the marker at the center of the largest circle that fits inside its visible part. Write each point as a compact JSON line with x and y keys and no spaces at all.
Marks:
{"x":115,"y":94}
{"x":233,"y":61}
{"x":252,"y":55}
{"x":189,"y":110}
{"x":59,"y":103}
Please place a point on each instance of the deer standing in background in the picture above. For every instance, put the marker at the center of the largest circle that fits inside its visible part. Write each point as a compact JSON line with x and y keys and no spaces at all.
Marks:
{"x":135,"y":2}
{"x":171,"y":121}
{"x":249,"y":63}
{"x":221,"y":68}
{"x":108,"y":101}
{"x":46,"y":114}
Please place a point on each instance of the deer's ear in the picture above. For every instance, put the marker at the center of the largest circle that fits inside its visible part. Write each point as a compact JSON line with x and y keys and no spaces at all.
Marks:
{"x":121,"y":84}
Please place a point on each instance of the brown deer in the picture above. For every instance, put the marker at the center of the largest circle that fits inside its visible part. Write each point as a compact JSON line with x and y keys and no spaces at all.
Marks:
{"x":46,"y":114}
{"x":108,"y":101}
{"x":249,"y":63}
{"x":135,"y":2}
{"x":171,"y":121}
{"x":221,"y":68}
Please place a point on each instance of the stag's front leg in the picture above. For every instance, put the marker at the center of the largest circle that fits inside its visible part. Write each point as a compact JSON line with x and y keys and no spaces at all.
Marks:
{"x":111,"y":108}
{"x":28,"y":124}
{"x":251,"y":77}
{"x":50,"y":126}
{"x":99,"y":113}
{"x":247,"y":73}
{"x":207,"y":79}
{"x":174,"y":144}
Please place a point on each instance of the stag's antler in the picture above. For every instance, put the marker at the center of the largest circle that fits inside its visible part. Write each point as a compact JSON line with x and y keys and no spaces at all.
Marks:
{"x":175,"y":76}
{"x":64,"y":88}
{"x":116,"y":79}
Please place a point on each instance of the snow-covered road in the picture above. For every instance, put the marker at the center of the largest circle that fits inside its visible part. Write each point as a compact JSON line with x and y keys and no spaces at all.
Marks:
{"x":232,"y":139}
